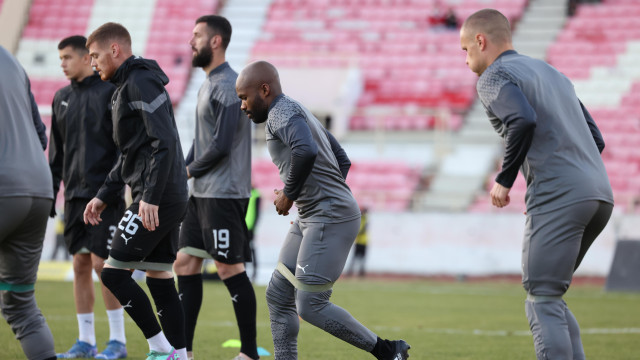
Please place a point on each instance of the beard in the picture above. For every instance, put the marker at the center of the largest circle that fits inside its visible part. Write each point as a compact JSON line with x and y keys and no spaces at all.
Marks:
{"x":203,"y":57}
{"x":260,"y":112}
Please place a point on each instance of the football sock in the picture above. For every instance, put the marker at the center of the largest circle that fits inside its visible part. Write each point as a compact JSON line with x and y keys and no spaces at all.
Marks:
{"x":382,"y":348}
{"x":116,"y":325}
{"x":159,"y":343}
{"x":169,"y":310}
{"x":190,"y":288}
{"x":86,"y":328}
{"x":244,"y":305}
{"x":133,"y":299}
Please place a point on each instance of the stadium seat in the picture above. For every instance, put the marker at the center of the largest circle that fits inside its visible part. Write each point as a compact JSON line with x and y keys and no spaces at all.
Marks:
{"x":394,"y":44}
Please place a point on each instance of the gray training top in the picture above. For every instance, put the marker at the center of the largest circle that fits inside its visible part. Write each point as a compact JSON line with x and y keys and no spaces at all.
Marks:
{"x":312,"y":165}
{"x":547,"y":132}
{"x":23,"y":167}
{"x":220,"y":158}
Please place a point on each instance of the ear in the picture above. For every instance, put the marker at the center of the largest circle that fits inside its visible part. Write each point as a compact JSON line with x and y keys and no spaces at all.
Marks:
{"x":481,"y":40}
{"x":215,"y":42}
{"x":86,"y":59}
{"x":265,"y":90}
{"x":115,"y":49}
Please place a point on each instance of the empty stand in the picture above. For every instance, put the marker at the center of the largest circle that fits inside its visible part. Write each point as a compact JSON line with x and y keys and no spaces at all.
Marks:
{"x":168,"y":44}
{"x":599,"y":50}
{"x":406,"y":61}
{"x":382,"y":186}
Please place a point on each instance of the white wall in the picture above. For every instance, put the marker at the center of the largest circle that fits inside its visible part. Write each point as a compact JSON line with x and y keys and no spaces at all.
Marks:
{"x":452,"y":244}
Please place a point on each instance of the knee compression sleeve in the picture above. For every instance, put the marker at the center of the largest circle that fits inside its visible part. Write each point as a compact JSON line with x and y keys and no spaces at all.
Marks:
{"x":132,"y":298}
{"x":169,"y":309}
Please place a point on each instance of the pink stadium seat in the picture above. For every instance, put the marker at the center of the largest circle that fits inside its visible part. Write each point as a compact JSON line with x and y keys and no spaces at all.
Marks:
{"x":394,"y":45}
{"x":53,"y":20}
{"x":382,"y":185}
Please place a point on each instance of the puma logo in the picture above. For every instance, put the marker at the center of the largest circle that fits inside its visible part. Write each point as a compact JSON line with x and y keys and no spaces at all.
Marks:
{"x":126,"y":239}
{"x":180,"y":296}
{"x":160,"y":313}
{"x":302,"y":268}
{"x":64,"y":103}
{"x":223,"y":253}
{"x":234,"y":298}
{"x":128,"y":305}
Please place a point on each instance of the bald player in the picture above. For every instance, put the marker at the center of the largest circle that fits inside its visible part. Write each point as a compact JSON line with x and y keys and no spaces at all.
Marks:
{"x":313,"y":168}
{"x":152,"y":164}
{"x":549,"y":134}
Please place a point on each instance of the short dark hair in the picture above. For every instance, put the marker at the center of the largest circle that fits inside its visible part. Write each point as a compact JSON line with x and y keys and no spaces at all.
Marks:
{"x":109,"y":31}
{"x":77,"y":43}
{"x":219,"y":25}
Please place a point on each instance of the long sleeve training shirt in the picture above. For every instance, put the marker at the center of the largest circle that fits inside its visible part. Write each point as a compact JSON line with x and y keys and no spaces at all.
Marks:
{"x":221,"y":152}
{"x":312,"y":164}
{"x":23,"y":166}
{"x":547,"y":132}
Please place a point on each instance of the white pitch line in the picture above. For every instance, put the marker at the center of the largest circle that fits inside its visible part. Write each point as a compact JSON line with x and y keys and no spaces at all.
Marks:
{"x":476,"y":332}
{"x":480,"y":332}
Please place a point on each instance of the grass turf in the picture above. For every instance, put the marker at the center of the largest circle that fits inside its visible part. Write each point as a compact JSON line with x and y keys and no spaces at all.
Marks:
{"x":441,"y":320}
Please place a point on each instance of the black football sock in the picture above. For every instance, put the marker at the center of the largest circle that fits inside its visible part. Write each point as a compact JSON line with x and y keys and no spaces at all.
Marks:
{"x":133,"y":299}
{"x":190,"y":289}
{"x":244,"y":305}
{"x":169,"y":310}
{"x":382,"y":348}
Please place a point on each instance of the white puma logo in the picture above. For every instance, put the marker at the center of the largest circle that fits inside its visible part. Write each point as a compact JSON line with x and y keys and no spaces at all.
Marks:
{"x":128,"y":305}
{"x":160,"y":313}
{"x":302,"y":268}
{"x":64,"y":103}
{"x":234,"y":298}
{"x":223,"y":253}
{"x":180,"y":296}
{"x":126,"y":239}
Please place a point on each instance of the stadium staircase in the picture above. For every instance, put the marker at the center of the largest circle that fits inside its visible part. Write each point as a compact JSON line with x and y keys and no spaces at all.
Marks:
{"x":246,"y":18}
{"x":416,"y":86}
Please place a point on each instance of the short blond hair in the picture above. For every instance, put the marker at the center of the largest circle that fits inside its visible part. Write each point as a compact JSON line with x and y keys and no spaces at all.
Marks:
{"x":110,"y":32}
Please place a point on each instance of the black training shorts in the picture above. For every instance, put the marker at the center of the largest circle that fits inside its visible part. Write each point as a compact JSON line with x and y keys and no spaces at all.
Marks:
{"x":216,"y":228}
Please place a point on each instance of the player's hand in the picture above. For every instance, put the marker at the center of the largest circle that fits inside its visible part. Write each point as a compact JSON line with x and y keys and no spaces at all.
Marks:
{"x":188,"y":174}
{"x":92,"y":212}
{"x":282,"y":203}
{"x":149,"y":215}
{"x":500,"y":195}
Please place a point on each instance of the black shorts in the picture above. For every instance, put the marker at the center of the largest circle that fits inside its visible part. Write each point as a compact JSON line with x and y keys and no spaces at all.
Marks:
{"x":216,"y":228}
{"x":135,"y":247}
{"x":96,"y":239}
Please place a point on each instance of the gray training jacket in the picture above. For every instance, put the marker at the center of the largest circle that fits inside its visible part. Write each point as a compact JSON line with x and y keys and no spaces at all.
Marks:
{"x":23,"y":167}
{"x":312,"y":165}
{"x":560,"y":159}
{"x":220,"y":157}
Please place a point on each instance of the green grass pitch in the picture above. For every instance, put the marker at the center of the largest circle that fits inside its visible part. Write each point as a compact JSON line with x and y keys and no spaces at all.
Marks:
{"x":440,"y":320}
